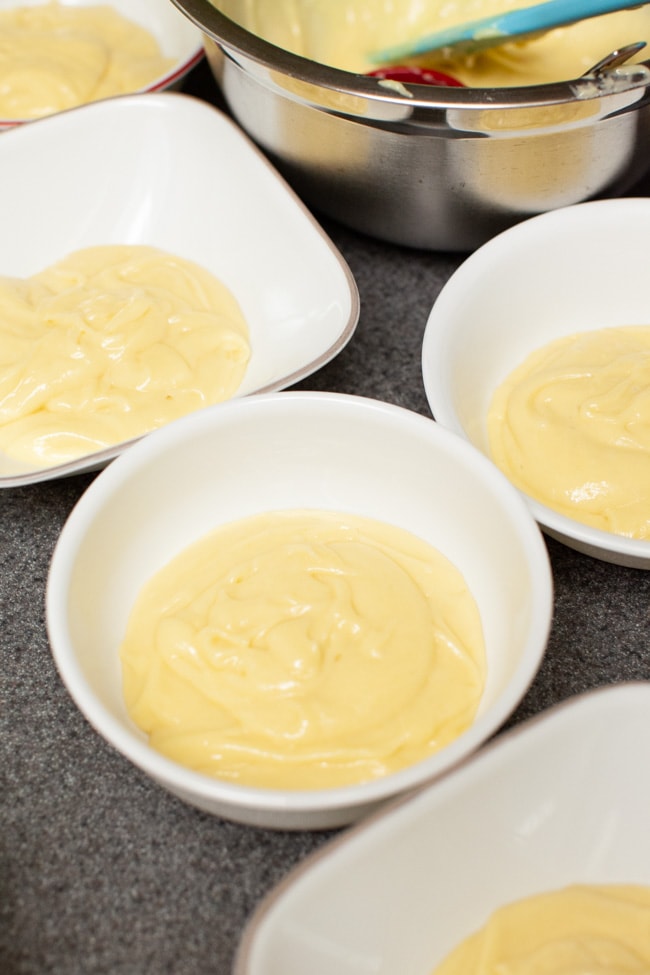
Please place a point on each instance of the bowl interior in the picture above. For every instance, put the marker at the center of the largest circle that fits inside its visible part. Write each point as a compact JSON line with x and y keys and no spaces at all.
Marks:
{"x":173,"y":172}
{"x":572,"y":270}
{"x":563,"y":799}
{"x":254,"y":52}
{"x":295,"y":450}
{"x":177,"y":37}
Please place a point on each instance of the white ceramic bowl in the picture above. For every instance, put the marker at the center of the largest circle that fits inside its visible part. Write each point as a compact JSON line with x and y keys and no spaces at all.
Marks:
{"x":562,"y":799}
{"x":176,"y":36}
{"x":171,"y":171}
{"x":293,"y":450}
{"x":578,"y":268}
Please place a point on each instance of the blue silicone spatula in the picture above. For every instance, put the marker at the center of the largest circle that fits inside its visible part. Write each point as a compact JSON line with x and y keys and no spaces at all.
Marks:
{"x":512,"y":26}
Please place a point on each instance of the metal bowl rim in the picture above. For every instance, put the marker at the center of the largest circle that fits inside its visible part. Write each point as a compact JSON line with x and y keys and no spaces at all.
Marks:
{"x":236,"y":40}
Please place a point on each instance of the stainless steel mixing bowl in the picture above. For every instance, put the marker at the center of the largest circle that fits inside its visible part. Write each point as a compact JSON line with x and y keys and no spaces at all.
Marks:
{"x":436,"y":168}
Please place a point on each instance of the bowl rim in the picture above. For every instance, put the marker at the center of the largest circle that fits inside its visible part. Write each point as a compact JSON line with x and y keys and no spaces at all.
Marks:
{"x":235,"y":39}
{"x":132,"y":744}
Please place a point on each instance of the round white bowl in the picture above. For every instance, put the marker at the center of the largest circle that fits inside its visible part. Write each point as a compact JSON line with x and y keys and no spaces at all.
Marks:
{"x":284,"y":451}
{"x":575,"y":269}
{"x":176,"y":36}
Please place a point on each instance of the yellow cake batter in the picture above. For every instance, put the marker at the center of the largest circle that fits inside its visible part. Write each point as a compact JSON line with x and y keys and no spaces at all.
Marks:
{"x":571,"y":427}
{"x":111,"y":342}
{"x":343,"y":33}
{"x":54,"y":56}
{"x":578,"y":930}
{"x":304,"y":650}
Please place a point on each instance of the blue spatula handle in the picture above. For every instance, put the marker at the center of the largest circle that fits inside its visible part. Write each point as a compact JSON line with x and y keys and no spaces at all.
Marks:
{"x":514,"y":25}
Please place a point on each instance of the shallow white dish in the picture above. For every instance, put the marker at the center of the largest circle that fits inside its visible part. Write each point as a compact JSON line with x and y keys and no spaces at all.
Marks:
{"x":177,"y":37}
{"x":289,"y":450}
{"x":575,"y":269}
{"x":171,"y":171}
{"x":561,"y":799}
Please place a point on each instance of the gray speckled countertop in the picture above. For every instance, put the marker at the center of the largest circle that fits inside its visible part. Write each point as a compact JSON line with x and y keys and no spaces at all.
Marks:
{"x":101,"y":871}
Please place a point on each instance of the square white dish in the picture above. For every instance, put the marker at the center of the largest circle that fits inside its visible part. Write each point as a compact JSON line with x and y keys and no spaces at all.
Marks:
{"x":561,"y":799}
{"x":170,"y":171}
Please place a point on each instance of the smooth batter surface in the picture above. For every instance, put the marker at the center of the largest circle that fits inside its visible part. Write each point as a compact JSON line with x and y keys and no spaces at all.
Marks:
{"x":109,"y":343}
{"x":579,"y":930}
{"x":54,"y":56}
{"x":571,"y":427}
{"x":343,"y":33}
{"x":304,"y":650}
